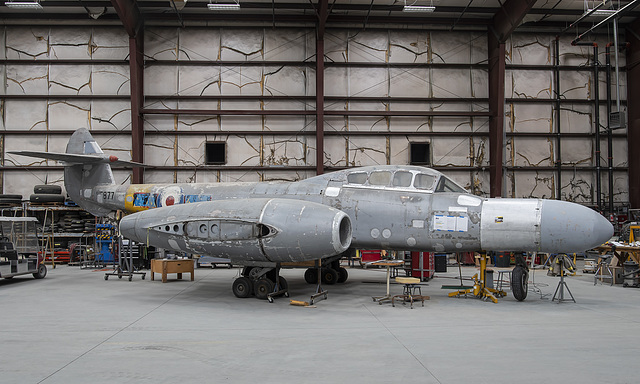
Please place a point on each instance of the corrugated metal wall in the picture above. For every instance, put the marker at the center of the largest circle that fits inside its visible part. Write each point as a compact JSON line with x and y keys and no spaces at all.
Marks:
{"x":60,"y":78}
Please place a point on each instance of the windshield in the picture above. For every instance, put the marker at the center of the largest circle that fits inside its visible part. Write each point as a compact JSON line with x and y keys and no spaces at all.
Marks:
{"x":447,"y":185}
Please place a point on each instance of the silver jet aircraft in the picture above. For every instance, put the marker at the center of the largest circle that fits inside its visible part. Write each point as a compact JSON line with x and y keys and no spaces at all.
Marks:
{"x":261,"y":225}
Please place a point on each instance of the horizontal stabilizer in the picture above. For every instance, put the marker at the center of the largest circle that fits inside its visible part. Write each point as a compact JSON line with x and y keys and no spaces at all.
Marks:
{"x":71,"y":158}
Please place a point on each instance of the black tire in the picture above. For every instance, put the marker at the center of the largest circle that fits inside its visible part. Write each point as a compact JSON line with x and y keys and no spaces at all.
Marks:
{"x":10,"y":196}
{"x":6,"y":200}
{"x":42,"y":272}
{"x":242,"y":287}
{"x":283,"y":285}
{"x":263,"y":288}
{"x":47,"y":189}
{"x":311,"y":276}
{"x":519,"y":282}
{"x":10,"y":199}
{"x":343,"y":275}
{"x":329,"y":276}
{"x":46,"y":198}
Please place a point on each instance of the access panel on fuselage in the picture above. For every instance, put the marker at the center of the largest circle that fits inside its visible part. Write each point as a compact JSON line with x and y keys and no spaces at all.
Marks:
{"x":385,"y":218}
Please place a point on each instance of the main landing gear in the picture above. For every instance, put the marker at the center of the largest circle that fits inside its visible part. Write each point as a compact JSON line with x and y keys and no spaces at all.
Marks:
{"x":263,"y":282}
{"x":330,"y":274}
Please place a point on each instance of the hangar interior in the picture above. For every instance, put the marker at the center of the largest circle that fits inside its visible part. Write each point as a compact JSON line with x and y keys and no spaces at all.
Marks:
{"x":241,"y":96}
{"x":511,"y":99}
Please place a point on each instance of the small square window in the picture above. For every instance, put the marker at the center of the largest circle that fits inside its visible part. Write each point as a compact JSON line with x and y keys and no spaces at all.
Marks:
{"x":420,"y":153}
{"x":215,"y":152}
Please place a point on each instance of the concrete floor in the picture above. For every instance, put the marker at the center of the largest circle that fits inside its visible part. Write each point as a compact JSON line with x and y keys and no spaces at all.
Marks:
{"x":75,"y":327}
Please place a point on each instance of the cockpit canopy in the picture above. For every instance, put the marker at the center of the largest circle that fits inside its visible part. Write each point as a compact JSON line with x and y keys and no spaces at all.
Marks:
{"x":404,"y":179}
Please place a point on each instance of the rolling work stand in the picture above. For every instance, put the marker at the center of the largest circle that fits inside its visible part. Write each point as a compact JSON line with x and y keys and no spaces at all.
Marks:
{"x":125,"y":265}
{"x":481,"y":289}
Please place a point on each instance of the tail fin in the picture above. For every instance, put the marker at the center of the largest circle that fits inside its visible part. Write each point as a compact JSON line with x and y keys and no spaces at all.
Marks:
{"x":80,"y":178}
{"x":86,"y":167}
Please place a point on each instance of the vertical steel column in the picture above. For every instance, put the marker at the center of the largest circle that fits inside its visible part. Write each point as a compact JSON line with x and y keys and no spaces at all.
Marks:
{"x":319,"y":106}
{"x":503,"y":23}
{"x":323,"y":9}
{"x":496,"y":113}
{"x":556,"y":75}
{"x":131,"y":19}
{"x":609,"y":132}
{"x":633,"y":113}
{"x":596,"y":112}
{"x":136,"y":68}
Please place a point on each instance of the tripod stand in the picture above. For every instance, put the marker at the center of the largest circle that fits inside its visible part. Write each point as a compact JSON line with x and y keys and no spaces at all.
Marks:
{"x":562,"y":284}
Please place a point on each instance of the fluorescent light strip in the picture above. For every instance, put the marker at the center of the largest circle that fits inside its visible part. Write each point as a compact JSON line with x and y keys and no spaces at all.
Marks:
{"x":418,"y":8}
{"x":602,"y":12}
{"x":223,"y":7}
{"x":23,"y":4}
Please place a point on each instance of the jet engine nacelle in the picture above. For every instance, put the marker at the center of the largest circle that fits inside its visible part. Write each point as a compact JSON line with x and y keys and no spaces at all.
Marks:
{"x":273,"y":230}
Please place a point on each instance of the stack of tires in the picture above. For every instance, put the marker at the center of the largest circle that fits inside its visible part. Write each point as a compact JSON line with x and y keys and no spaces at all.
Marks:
{"x":10,"y":200}
{"x":47,"y":194}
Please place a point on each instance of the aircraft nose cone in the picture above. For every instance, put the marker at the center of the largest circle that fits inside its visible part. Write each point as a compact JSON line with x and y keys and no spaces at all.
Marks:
{"x":128,"y":227}
{"x":568,"y":227}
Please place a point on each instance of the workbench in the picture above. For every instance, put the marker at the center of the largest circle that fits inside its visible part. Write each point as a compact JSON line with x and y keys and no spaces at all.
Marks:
{"x":165,"y":266}
{"x":622,"y":252}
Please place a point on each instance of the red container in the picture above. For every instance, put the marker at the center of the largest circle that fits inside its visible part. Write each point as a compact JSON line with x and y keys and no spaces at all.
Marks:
{"x":422,"y":265}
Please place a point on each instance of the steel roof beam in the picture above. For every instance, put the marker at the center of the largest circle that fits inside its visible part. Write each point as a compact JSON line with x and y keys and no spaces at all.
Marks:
{"x":129,"y":14}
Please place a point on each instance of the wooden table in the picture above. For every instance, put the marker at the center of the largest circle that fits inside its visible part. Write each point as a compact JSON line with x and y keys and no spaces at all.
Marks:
{"x":165,"y":266}
{"x":388,"y":264}
{"x":623,"y":252}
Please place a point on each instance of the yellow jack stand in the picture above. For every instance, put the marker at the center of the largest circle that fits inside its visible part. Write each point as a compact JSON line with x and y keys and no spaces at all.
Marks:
{"x":480,"y":290}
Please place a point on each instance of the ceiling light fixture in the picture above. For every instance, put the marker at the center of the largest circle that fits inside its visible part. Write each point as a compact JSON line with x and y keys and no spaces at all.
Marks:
{"x":224,"y":6}
{"x":23,"y":4}
{"x":418,"y":8}
{"x":601,"y":12}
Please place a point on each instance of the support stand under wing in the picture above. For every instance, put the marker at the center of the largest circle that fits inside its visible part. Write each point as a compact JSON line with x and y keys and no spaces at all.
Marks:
{"x":281,"y":287}
{"x":320,"y":294}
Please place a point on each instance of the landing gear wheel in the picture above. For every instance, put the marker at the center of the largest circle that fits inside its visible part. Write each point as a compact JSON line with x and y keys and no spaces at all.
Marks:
{"x":283,"y":286}
{"x":282,"y":283}
{"x":41,"y":273}
{"x":242,"y":287}
{"x":343,"y":275}
{"x":311,"y":276}
{"x":519,"y":282}
{"x":329,"y":276}
{"x":106,"y":277}
{"x":263,"y":288}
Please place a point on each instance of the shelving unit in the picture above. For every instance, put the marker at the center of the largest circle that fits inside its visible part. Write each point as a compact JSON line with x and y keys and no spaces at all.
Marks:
{"x":61,"y":225}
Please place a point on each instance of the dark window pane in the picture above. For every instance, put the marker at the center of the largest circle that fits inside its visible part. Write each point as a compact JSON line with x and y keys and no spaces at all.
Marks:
{"x":419,"y":153}
{"x":215,"y":152}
